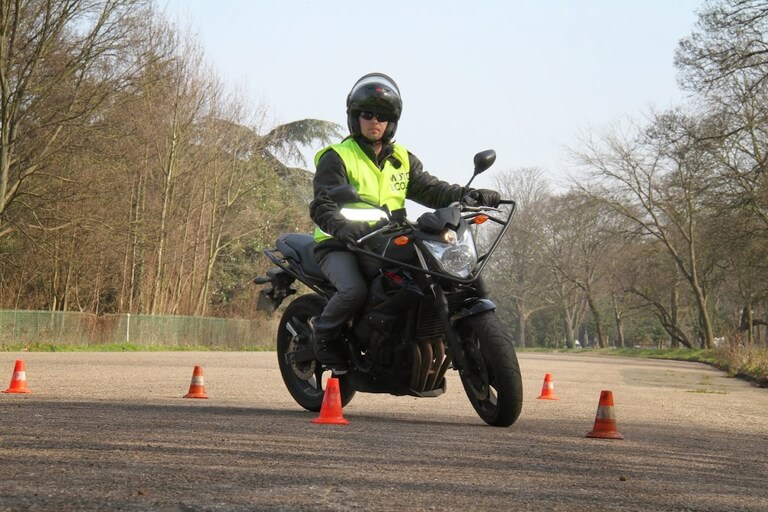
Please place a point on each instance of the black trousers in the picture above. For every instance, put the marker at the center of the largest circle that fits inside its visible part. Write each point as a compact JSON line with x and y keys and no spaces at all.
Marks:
{"x":350,"y":275}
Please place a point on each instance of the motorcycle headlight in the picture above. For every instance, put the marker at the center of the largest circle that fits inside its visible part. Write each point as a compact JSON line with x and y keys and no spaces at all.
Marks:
{"x":455,"y":256}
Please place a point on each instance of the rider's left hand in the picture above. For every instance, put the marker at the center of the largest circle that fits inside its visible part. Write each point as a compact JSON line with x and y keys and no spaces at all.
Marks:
{"x":485,"y":197}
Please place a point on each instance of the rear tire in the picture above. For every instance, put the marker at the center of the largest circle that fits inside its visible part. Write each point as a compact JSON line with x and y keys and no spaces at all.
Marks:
{"x":304,"y":380}
{"x":493,"y":383}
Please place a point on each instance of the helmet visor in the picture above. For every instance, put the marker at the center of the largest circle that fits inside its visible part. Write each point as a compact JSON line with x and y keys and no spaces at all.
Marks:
{"x":375,"y":79}
{"x":375,"y":92}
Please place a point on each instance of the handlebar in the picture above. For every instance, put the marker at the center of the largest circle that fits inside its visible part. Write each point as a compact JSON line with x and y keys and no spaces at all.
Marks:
{"x":472,"y":203}
{"x":475,"y":208}
{"x":406,"y":226}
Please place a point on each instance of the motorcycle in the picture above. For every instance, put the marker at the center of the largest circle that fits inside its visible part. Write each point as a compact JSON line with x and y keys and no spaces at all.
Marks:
{"x":426,"y":310}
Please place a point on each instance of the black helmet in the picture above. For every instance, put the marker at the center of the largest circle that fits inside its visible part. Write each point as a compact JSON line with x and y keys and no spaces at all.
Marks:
{"x":374,"y":92}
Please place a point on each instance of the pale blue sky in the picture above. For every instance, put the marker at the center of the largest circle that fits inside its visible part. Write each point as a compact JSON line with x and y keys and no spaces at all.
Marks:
{"x":525,"y":78}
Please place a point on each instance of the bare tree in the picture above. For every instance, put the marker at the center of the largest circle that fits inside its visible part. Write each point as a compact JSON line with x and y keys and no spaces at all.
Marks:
{"x":580,"y":245}
{"x":654,"y":278}
{"x":725,"y":61}
{"x":59,"y":61}
{"x":659,"y":180}
{"x":128,"y":179}
{"x":517,"y":270}
{"x":625,"y":270}
{"x":572,"y":305}
{"x":729,"y":44}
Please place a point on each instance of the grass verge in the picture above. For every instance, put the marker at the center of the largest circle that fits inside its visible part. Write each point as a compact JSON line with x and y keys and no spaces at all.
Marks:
{"x":749,"y":363}
{"x":123,"y":347}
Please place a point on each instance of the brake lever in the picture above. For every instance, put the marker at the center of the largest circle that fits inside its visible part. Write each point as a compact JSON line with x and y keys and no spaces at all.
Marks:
{"x":397,"y":225}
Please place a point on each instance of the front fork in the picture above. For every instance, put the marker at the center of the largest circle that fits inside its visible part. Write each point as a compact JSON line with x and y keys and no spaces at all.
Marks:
{"x":455,"y":345}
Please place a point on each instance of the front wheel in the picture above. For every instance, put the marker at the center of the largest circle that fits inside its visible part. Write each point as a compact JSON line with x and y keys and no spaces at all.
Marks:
{"x":304,"y":378}
{"x":492,"y":380}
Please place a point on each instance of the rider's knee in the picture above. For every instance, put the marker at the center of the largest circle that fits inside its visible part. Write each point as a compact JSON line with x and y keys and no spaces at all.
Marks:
{"x":354,"y":295}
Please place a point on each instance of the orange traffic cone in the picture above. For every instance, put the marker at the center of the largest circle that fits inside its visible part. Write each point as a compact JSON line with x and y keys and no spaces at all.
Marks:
{"x":548,"y":389}
{"x":605,"y":421}
{"x":19,"y":379}
{"x":197,"y":386}
{"x":330,"y":411}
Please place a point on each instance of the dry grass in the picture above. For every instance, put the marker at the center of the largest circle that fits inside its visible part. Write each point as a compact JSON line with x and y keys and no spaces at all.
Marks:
{"x":749,"y":363}
{"x":746,"y":362}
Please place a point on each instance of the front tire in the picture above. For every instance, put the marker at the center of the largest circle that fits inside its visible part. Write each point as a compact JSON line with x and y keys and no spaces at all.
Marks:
{"x":492,"y":382}
{"x":304,"y":380}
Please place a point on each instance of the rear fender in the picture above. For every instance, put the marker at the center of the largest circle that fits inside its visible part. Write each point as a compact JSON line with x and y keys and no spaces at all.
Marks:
{"x":281,"y":287}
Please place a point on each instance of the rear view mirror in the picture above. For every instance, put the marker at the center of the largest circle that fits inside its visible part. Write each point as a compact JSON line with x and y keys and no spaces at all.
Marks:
{"x":483,"y":160}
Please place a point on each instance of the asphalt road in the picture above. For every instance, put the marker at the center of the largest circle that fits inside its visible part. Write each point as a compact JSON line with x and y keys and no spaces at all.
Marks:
{"x":111,"y":431}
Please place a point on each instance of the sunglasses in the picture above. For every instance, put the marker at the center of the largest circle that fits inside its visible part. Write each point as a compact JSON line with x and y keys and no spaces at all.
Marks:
{"x":382,"y":118}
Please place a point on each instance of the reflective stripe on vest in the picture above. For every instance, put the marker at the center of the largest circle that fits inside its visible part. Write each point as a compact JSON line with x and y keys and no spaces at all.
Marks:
{"x":386,"y":186}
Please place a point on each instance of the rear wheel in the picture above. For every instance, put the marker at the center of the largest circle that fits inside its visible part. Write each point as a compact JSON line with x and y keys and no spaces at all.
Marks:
{"x":304,"y":377}
{"x":492,"y":382}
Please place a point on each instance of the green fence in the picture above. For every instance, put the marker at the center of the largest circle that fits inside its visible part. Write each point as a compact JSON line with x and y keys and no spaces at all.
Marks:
{"x":83,"y":329}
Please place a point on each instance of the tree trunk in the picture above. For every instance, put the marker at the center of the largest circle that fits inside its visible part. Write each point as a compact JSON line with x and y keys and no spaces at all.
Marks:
{"x":598,"y":319}
{"x":157,"y":294}
{"x":705,"y":322}
{"x":617,"y":317}
{"x":213,"y":248}
{"x":198,"y":244}
{"x":521,"y":323}
{"x":674,"y":307}
{"x":570,"y":335}
{"x":179,"y":289}
{"x":68,"y":280}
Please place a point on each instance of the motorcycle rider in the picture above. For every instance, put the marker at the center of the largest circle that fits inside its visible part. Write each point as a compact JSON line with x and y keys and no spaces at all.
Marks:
{"x":384,"y":173}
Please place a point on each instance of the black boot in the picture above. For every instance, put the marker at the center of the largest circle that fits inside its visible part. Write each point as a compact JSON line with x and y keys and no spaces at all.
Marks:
{"x":326,"y":348}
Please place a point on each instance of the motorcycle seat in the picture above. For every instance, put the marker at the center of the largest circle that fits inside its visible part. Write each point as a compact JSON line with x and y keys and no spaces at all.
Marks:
{"x":300,"y":248}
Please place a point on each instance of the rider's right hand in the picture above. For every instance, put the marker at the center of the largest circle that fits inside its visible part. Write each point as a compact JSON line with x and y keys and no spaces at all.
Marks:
{"x":352,"y":230}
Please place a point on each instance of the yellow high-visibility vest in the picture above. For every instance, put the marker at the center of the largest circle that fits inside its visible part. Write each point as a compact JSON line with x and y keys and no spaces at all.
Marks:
{"x":386,"y":186}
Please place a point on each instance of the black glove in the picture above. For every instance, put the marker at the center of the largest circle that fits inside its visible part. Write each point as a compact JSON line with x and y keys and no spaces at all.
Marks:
{"x":352,"y":231}
{"x":485,"y":197}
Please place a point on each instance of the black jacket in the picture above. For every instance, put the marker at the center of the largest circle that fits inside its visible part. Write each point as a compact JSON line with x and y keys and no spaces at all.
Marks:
{"x":331,"y":172}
